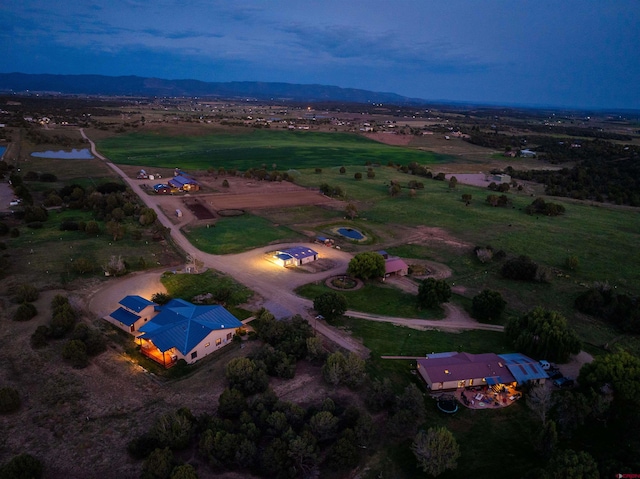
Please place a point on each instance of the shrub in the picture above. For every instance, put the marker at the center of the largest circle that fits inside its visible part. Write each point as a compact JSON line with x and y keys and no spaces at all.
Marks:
{"x":26,"y":293}
{"x":75,"y":352}
{"x":521,"y":268}
{"x":23,"y":466}
{"x":40,"y":337}
{"x":25,"y":312}
{"x":433,"y":292}
{"x":488,"y":305}
{"x":9,"y":400}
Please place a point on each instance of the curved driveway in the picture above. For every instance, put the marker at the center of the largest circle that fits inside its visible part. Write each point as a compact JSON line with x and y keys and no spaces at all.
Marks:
{"x":276,"y":284}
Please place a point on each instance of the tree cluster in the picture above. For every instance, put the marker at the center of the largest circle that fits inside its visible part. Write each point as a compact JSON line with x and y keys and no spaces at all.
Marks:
{"x":333,"y":191}
{"x":523,"y":268}
{"x":367,"y":265}
{"x":330,"y":305}
{"x":488,"y":305}
{"x":258,"y":434}
{"x":542,"y":207}
{"x":543,"y":334}
{"x":619,"y":309}
{"x":433,"y":292}
{"x":286,"y":343}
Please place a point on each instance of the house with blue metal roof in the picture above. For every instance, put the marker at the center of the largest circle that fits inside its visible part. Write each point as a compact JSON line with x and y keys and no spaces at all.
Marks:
{"x":184,"y":183}
{"x":295,"y":256}
{"x":182,"y":330}
{"x":134,"y":311}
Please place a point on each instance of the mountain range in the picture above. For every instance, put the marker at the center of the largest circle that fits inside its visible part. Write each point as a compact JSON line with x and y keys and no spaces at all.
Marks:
{"x":157,"y":87}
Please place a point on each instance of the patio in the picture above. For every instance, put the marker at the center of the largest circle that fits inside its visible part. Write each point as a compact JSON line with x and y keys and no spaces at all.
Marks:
{"x":486,"y":397}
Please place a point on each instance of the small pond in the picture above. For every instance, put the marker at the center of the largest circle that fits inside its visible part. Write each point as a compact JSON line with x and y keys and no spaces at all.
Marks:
{"x":83,"y":154}
{"x":350,"y":233}
{"x":2,"y":150}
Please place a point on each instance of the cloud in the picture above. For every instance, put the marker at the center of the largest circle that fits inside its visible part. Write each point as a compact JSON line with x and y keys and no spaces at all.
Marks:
{"x":359,"y":47}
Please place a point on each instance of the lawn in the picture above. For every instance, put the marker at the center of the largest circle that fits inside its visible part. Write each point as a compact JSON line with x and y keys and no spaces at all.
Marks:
{"x":255,"y":148}
{"x":186,"y":286}
{"x":377,"y":299}
{"x":239,"y":233}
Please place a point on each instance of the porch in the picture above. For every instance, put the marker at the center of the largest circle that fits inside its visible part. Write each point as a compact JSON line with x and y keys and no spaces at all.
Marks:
{"x":167,"y":359}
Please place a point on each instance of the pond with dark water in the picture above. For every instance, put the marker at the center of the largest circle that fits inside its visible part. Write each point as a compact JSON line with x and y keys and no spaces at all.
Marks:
{"x":83,"y":154}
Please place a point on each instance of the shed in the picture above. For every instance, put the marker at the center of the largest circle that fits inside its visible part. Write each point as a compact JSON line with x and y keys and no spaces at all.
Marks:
{"x":296,"y":256}
{"x":395,"y":266}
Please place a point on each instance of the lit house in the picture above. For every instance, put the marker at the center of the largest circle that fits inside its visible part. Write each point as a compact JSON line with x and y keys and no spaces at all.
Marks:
{"x":446,"y":371}
{"x":295,"y":256}
{"x":134,"y":311}
{"x":176,"y":330}
{"x":182,"y":330}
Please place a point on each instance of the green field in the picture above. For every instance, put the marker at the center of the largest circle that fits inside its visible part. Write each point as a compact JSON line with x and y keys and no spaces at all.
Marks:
{"x":239,"y":233}
{"x":253,"y":149}
{"x":376,"y":299}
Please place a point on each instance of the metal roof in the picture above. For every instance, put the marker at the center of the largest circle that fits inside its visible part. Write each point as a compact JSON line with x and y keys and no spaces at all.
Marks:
{"x":299,"y":252}
{"x":135,"y":303}
{"x":523,"y":368}
{"x":183,"y":325}
{"x":464,"y":366}
{"x":393,"y":265}
{"x":124,"y":316}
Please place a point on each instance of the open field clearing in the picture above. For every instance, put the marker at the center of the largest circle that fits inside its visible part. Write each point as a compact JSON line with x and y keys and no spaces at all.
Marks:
{"x":256,"y":148}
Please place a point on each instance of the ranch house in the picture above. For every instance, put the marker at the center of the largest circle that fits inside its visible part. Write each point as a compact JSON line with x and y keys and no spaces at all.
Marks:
{"x":178,"y":329}
{"x":295,"y":256}
{"x":451,"y":370}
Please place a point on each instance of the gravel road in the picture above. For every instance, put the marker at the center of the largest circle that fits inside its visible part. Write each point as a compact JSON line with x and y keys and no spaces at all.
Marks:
{"x":274,"y":283}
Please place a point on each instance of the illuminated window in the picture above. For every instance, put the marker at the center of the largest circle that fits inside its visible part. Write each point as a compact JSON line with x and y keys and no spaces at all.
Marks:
{"x":446,"y":371}
{"x":207,"y":345}
{"x":218,"y":341}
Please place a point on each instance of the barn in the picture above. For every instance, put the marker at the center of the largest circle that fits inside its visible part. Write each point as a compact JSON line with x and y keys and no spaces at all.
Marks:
{"x":295,"y":256}
{"x":395,"y":266}
{"x":184,"y":183}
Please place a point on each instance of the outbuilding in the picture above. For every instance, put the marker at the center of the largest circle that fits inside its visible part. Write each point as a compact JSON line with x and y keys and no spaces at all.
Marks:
{"x":295,"y":256}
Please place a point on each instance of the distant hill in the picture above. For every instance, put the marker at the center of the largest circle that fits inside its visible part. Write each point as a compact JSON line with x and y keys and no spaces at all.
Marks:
{"x":140,"y":86}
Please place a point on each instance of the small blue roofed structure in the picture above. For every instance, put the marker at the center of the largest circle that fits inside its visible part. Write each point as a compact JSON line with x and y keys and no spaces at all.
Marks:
{"x":523,"y":368}
{"x":133,"y":313}
{"x":136,"y":303}
{"x":296,"y":256}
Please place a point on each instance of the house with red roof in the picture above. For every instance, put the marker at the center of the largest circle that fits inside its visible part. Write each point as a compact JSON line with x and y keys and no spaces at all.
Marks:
{"x":451,"y":370}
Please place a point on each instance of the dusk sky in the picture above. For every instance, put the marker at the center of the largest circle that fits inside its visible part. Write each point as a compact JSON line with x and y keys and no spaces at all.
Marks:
{"x":564,"y":53}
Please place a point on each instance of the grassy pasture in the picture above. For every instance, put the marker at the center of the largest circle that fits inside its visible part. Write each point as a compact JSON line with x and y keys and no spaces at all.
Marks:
{"x":376,"y":299}
{"x":48,"y":253}
{"x":603,"y":239}
{"x":239,"y":233}
{"x":255,"y":148}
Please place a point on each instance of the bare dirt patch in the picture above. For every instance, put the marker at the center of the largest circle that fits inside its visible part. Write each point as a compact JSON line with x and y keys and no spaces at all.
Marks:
{"x":267,"y":200}
{"x":389,"y":138}
{"x":200,"y":211}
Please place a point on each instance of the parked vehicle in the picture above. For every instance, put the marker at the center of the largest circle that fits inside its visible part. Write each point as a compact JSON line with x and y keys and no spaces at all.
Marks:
{"x":554,"y":373}
{"x":544,"y":364}
{"x":564,"y":383}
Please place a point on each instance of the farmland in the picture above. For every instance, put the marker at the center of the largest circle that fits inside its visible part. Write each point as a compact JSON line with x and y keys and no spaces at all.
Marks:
{"x":255,"y":148}
{"x":429,"y":223}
